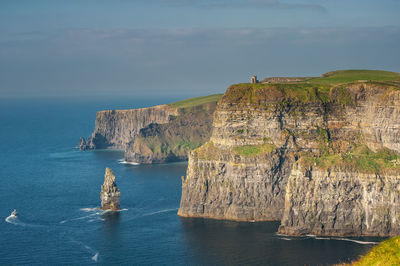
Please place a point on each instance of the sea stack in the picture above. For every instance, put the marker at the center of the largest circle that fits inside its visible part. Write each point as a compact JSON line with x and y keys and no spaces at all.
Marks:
{"x":109,"y":192}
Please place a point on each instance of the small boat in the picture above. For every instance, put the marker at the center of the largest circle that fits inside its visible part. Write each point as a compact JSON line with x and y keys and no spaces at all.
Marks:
{"x":14,"y":213}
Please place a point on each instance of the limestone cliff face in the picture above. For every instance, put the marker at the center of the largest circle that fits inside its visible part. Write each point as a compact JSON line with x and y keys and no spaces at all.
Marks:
{"x":223,"y":185}
{"x":260,"y":132}
{"x":116,"y":128}
{"x":341,"y":202}
{"x":109,"y":192}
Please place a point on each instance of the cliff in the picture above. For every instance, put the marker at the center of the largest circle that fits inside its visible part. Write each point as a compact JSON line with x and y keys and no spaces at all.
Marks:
{"x":172,"y":141}
{"x":156,"y":134}
{"x":116,"y":128}
{"x":322,"y":155}
{"x":109,"y":194}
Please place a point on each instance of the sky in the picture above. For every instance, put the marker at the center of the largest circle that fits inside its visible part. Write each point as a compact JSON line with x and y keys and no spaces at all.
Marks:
{"x":186,"y":47}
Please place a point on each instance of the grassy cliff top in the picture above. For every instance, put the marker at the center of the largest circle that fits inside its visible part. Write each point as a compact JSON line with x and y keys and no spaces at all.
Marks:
{"x":331,"y":87}
{"x":349,"y":76}
{"x":386,"y":253}
{"x":192,"y":102}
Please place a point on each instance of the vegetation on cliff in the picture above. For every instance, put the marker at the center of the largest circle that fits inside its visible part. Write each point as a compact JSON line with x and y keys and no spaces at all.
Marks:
{"x":348,"y":76}
{"x":330,"y":93}
{"x":331,"y":88}
{"x":386,"y":253}
{"x":254,"y":150}
{"x":192,"y":102}
{"x":360,"y":158}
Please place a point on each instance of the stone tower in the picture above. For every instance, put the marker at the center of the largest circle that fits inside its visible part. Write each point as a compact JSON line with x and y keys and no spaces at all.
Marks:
{"x":253,"y":80}
{"x":109,"y":192}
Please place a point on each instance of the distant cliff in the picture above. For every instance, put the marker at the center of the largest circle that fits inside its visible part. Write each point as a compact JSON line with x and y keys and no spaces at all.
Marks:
{"x":116,"y":128}
{"x":321,"y":155}
{"x":155,"y":134}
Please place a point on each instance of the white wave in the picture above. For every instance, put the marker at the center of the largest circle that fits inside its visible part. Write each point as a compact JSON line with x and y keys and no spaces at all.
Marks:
{"x":344,"y":239}
{"x":160,"y":211}
{"x":356,"y":241}
{"x":322,"y":238}
{"x":122,"y":161}
{"x":284,"y":238}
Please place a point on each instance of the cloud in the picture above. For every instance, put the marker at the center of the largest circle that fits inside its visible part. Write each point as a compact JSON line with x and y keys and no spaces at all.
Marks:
{"x":248,"y":4}
{"x":94,"y":60}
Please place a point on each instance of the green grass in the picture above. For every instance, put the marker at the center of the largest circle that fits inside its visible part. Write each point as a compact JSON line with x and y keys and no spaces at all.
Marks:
{"x":386,"y":253}
{"x":361,"y":158}
{"x":349,"y":76}
{"x":254,"y":150}
{"x":328,"y":89}
{"x":192,"y":102}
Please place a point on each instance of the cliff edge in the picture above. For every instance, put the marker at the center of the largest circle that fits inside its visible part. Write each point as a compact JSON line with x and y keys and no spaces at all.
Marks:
{"x":320,"y":155}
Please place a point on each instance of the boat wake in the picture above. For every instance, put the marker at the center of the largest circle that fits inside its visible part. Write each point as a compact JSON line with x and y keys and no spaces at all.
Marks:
{"x":16,"y":221}
{"x":93,"y":253}
{"x":158,"y":212}
{"x":95,"y":215}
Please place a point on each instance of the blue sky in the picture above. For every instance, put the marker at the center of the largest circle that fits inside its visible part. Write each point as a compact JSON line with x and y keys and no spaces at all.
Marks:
{"x":186,"y":47}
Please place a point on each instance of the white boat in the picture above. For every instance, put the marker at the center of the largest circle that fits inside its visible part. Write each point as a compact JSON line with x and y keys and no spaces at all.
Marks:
{"x":14,"y":213}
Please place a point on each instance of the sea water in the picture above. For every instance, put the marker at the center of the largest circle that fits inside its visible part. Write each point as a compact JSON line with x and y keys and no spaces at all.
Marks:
{"x":56,"y":191}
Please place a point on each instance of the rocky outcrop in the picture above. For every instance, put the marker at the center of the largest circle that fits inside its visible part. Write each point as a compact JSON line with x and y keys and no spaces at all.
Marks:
{"x":247,"y":171}
{"x":109,"y":194}
{"x":116,"y":128}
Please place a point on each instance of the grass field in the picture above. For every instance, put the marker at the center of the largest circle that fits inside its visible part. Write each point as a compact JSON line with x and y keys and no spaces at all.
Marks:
{"x":348,"y":76}
{"x":192,"y":102}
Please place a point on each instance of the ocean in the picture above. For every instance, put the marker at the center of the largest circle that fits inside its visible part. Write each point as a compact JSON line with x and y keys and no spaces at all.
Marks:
{"x":56,"y":189}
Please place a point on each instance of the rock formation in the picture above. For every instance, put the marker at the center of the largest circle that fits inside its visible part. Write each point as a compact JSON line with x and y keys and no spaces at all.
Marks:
{"x":109,"y":192}
{"x":156,"y":134}
{"x":323,"y":158}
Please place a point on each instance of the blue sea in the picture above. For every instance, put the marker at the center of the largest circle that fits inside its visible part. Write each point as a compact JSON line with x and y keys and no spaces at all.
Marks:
{"x":56,"y":189}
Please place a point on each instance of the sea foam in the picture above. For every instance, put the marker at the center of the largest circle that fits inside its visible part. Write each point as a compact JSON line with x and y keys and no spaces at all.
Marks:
{"x":122,"y":161}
